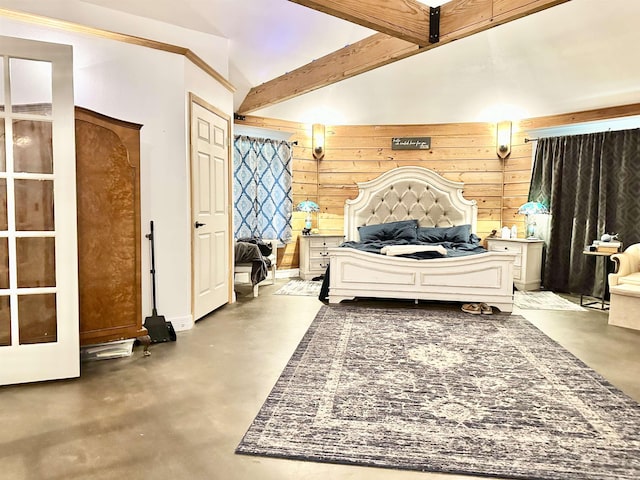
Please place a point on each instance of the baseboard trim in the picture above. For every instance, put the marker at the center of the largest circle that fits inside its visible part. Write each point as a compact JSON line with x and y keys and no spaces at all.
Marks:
{"x":288,"y":273}
{"x":182,"y":323}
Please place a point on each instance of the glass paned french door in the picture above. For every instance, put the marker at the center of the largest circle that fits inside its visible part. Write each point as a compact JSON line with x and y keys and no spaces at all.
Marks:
{"x":38,"y":247}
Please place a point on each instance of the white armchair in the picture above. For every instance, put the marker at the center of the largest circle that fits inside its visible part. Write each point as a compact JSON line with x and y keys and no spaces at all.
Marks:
{"x":624,"y":287}
{"x":245,"y":268}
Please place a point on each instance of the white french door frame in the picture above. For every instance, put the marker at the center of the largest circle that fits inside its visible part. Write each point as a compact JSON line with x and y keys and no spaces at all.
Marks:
{"x":59,"y":359}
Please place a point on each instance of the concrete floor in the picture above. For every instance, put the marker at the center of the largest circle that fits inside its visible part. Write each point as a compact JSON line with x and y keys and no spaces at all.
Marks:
{"x":180,"y":413}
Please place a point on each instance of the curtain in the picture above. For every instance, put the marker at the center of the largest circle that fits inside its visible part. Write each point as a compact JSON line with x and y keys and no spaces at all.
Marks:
{"x":262,"y":192}
{"x":590,"y":184}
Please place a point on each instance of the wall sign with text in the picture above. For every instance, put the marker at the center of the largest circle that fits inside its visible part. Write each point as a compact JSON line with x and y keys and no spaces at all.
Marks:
{"x":410,"y":143}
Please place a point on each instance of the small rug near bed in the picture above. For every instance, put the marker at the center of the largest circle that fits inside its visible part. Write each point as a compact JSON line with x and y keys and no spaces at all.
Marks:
{"x":543,"y":301}
{"x":300,"y":287}
{"x":442,"y":391}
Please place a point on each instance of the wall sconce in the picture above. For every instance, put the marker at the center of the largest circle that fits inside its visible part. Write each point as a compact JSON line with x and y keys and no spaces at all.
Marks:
{"x":317,"y":136}
{"x":503,"y":139}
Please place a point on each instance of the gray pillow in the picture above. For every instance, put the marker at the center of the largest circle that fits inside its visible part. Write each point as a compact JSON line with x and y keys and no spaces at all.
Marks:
{"x":457,"y":234}
{"x":401,"y":230}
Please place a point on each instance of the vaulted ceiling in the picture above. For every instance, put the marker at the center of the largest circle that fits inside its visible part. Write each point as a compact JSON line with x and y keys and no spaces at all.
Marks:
{"x":371,"y":61}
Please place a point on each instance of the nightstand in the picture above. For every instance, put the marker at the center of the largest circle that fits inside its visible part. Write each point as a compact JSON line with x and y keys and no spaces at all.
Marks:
{"x":314,"y":253}
{"x":528,"y":262}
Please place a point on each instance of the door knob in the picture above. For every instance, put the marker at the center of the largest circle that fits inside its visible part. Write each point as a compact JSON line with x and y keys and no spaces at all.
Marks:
{"x":198,"y":224}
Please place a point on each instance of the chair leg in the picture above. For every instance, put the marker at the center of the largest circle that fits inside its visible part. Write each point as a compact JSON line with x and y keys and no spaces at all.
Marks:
{"x":255,"y":291}
{"x":273,"y":275}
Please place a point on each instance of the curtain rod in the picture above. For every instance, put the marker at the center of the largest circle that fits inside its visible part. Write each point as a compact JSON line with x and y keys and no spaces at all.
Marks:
{"x":527,"y":140}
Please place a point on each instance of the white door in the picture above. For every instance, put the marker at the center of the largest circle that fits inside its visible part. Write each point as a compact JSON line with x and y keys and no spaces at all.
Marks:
{"x":210,"y":208}
{"x":38,"y":243}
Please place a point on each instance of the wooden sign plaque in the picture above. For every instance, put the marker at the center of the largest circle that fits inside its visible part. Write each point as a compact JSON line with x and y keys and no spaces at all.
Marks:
{"x":410,"y":143}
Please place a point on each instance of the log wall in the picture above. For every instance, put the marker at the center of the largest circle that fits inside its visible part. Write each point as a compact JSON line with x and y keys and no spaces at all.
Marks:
{"x":464,"y":152}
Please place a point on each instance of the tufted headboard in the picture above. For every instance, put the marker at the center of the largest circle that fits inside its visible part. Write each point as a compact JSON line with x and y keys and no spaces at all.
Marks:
{"x":409,"y":193}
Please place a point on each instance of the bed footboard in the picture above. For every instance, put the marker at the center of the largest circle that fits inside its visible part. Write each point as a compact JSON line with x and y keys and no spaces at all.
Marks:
{"x":485,"y":277}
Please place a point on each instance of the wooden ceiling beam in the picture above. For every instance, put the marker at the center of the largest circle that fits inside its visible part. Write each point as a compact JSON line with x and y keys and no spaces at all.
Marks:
{"x":404,"y":19}
{"x":458,"y":19}
{"x":367,"y":54}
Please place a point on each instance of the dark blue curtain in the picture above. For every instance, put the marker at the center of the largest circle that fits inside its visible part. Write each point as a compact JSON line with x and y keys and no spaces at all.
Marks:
{"x":591,"y":184}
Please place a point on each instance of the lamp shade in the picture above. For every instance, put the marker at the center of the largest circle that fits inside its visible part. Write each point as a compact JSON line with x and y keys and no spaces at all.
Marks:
{"x":533,"y":208}
{"x":307,"y":206}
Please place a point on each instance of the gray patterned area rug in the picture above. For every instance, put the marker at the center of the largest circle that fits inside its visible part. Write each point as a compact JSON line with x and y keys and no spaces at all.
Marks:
{"x":441,"y":391}
{"x":300,"y":287}
{"x":543,"y":301}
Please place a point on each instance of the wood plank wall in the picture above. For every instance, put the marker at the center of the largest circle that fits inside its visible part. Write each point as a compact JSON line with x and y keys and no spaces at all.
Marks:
{"x":464,"y":152}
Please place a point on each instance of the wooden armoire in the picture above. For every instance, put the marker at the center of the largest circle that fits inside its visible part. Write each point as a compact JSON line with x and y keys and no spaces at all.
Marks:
{"x":109,"y":238}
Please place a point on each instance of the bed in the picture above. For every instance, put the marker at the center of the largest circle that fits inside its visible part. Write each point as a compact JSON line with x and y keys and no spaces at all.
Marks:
{"x":416,"y":193}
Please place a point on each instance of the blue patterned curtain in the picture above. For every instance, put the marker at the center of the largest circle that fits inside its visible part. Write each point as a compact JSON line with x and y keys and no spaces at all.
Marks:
{"x":262,"y":197}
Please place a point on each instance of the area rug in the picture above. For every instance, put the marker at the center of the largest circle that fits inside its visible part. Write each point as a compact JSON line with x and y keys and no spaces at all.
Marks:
{"x":441,"y":391}
{"x":543,"y":301}
{"x":300,"y":287}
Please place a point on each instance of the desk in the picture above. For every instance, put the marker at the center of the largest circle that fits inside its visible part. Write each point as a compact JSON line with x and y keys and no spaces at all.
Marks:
{"x":599,"y":300}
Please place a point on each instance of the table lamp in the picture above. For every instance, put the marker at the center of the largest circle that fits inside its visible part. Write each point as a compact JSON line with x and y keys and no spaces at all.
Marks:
{"x":307,"y":206}
{"x":530,"y":209}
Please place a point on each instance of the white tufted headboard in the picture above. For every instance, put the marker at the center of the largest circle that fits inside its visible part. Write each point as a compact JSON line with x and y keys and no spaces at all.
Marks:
{"x":409,"y":193}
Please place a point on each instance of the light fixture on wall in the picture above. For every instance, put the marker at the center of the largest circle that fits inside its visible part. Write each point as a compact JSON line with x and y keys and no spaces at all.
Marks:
{"x":307,"y":206}
{"x":317,"y":137}
{"x":503,"y":139}
{"x":530,"y":209}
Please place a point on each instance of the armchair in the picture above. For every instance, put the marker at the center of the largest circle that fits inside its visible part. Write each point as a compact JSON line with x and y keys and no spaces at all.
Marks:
{"x":624,"y":286}
{"x":627,"y":267}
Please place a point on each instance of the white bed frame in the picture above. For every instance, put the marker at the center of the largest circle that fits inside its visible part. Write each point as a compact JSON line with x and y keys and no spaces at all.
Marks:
{"x":415,"y":192}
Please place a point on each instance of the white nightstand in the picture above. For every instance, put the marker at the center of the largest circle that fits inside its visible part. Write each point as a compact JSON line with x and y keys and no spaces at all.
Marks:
{"x":528,"y":263}
{"x":314,"y":254}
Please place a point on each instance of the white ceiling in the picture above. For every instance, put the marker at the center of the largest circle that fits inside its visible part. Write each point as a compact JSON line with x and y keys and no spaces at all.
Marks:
{"x":576,"y":56}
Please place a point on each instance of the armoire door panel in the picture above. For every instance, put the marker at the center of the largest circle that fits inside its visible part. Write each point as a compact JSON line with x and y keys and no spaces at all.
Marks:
{"x":108,"y":156}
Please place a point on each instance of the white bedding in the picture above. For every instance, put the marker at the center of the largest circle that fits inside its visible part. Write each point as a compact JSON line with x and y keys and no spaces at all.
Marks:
{"x":394,"y":250}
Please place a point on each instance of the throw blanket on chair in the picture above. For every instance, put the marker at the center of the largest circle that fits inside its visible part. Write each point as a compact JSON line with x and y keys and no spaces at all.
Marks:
{"x":246,"y":252}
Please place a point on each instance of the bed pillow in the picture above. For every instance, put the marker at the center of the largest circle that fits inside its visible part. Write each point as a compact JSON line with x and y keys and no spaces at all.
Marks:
{"x":402,"y":230}
{"x":457,"y":234}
